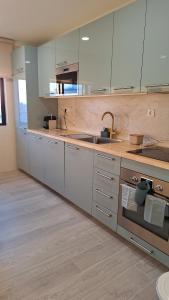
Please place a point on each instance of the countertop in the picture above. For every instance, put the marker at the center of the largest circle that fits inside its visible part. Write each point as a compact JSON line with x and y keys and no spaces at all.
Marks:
{"x":118,"y":149}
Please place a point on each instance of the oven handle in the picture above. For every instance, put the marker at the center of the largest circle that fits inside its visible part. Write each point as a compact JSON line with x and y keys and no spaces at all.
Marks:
{"x":150,"y":252}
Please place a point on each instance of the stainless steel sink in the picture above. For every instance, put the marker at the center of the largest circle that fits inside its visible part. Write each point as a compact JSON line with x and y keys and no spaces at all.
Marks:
{"x":93,"y":139}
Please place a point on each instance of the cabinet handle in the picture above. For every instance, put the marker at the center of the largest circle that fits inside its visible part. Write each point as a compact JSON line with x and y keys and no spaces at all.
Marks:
{"x":105,"y":157}
{"x":103,"y":194}
{"x":157,"y":85}
{"x":103,"y":212}
{"x":100,"y":90}
{"x":105,"y":176}
{"x":39,"y":138}
{"x":124,"y":88}
{"x":72,"y":148}
{"x":140,"y":246}
{"x":52,"y":142}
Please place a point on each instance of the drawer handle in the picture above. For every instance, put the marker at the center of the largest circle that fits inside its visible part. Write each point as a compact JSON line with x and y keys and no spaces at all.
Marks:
{"x":103,"y":212}
{"x":39,"y":138}
{"x":105,"y":157}
{"x":52,"y":142}
{"x":102,"y":193}
{"x":72,"y":148}
{"x":124,"y":88}
{"x":105,"y":176}
{"x":150,"y":252}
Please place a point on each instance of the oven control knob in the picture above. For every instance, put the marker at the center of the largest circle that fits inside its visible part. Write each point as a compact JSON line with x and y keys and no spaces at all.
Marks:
{"x":158,"y":188}
{"x":134,"y":179}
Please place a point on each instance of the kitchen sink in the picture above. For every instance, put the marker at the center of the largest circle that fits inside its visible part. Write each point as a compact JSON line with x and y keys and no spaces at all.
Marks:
{"x":93,"y":139}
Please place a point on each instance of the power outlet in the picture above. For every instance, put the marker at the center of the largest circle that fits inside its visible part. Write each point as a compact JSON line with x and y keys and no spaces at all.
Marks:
{"x":151,"y":112}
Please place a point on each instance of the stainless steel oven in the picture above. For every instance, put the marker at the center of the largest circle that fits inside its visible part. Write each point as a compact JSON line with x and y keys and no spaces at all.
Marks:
{"x":134,"y":221}
{"x":67,"y":79}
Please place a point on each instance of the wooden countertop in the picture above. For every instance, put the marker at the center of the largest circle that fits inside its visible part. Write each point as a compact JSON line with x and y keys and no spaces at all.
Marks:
{"x":118,"y":149}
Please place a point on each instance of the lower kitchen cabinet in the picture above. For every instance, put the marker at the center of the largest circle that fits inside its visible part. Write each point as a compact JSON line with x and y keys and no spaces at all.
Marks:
{"x":36,"y":156}
{"x":54,"y":164}
{"x":79,"y":176}
{"x":104,"y":215}
{"x":22,"y":149}
{"x":106,"y":189}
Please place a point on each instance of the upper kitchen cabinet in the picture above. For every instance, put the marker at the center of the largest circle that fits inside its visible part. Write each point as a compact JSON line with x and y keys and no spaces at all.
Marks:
{"x":67,"y":48}
{"x":95,"y":54}
{"x":156,"y":48}
{"x":18,"y":61}
{"x":46,"y":69}
{"x":128,"y":40}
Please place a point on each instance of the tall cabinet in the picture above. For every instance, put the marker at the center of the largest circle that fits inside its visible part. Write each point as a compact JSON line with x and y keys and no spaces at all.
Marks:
{"x":128,"y":39}
{"x":95,"y":54}
{"x":156,"y":46}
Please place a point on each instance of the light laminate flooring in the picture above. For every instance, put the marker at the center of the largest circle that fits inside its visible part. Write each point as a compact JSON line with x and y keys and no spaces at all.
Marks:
{"x":49,"y":250}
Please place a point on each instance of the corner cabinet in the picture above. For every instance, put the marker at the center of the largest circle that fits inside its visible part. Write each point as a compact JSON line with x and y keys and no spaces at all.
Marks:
{"x":67,"y":49}
{"x":46,"y":69}
{"x":95,"y":54}
{"x":79,"y":176}
{"x":156,"y":48}
{"x":128,"y":40}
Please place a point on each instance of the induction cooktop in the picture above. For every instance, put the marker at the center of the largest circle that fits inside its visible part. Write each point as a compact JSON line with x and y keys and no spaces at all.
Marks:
{"x":159,"y":153}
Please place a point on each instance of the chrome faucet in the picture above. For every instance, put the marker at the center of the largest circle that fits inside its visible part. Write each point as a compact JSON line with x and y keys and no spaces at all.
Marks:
{"x":112,"y":131}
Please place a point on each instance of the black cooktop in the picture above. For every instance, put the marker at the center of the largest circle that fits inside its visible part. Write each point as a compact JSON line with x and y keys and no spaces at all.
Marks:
{"x":159,"y":153}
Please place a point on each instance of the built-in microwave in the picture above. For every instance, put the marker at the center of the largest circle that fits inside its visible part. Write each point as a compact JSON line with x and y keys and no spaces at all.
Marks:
{"x":67,"y":79}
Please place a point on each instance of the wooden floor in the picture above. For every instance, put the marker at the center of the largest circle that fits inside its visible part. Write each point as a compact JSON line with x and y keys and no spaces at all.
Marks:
{"x":49,"y":250}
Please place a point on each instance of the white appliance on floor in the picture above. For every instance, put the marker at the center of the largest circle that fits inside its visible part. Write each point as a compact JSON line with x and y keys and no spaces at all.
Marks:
{"x":162,"y":287}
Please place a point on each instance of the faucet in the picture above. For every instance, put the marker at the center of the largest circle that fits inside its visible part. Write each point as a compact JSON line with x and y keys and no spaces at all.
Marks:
{"x":112,"y":131}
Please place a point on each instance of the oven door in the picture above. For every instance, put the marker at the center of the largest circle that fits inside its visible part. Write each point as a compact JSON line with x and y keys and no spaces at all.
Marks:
{"x":135,"y":223}
{"x":66,"y":80}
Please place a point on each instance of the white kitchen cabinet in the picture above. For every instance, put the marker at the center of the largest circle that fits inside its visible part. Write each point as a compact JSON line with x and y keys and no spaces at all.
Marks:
{"x":54,"y":164}
{"x":18,"y":60}
{"x":46,"y":69}
{"x":36,"y":156}
{"x":79,"y":176}
{"x":128,"y":40}
{"x":66,"y":49}
{"x":22,"y":149}
{"x":95,"y":54}
{"x":156,"y":47}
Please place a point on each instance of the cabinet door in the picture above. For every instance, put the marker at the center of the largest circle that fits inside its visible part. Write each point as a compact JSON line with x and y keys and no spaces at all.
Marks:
{"x":79,"y":176}
{"x":36,"y":156}
{"x":156,"y":48}
{"x":18,"y":60}
{"x":95,"y":56}
{"x":22,"y":149}
{"x":46,"y":69}
{"x":54,"y":164}
{"x":128,"y":39}
{"x":66,"y":48}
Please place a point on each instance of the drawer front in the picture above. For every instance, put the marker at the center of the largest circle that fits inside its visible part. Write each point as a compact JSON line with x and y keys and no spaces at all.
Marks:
{"x":147,"y":248}
{"x":105,"y":216}
{"x":107,"y":162}
{"x":107,"y":181}
{"x":105,"y":199}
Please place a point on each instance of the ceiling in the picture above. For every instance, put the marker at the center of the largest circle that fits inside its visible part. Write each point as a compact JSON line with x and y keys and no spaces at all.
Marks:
{"x":37,"y":21}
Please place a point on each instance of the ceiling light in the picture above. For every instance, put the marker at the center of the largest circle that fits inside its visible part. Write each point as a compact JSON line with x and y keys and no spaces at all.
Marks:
{"x":85,"y":38}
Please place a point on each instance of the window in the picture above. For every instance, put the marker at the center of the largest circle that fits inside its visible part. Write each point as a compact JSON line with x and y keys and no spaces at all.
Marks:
{"x":2,"y":103}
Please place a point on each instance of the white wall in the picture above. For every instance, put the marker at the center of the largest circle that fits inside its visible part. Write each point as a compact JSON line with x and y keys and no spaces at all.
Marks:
{"x":7,"y":133}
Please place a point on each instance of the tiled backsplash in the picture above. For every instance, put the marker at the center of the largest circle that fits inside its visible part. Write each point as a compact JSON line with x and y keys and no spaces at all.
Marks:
{"x":130,"y":111}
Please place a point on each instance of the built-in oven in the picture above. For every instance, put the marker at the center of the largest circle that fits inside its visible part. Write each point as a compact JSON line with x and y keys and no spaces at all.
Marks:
{"x":67,"y":79}
{"x":134,"y":221}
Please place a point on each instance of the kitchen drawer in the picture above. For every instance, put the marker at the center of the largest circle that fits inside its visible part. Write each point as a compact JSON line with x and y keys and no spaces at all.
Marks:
{"x":107,"y":162}
{"x":107,"y":200}
{"x":104,"y":215}
{"x":107,"y":181}
{"x":146,"y":247}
